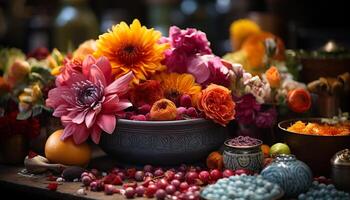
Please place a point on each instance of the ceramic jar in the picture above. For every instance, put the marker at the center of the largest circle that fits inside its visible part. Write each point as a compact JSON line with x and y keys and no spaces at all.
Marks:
{"x":243,"y":157}
{"x":294,"y":176}
{"x":341,"y":170}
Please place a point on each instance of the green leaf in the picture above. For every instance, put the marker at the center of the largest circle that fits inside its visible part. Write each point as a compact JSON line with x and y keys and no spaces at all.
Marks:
{"x":24,"y":115}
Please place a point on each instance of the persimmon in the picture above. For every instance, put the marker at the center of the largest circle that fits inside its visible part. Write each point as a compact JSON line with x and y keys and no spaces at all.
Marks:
{"x":66,"y":152}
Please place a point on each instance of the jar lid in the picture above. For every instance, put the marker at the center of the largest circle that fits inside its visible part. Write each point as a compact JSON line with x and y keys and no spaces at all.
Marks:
{"x":341,"y":158}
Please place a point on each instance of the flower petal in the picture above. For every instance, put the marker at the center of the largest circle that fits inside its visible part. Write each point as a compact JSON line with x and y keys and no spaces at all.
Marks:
{"x":120,"y":85}
{"x":199,"y":69}
{"x":55,"y":96}
{"x":88,"y":61}
{"x":61,"y":110}
{"x":105,"y":67}
{"x":95,"y":134}
{"x":107,"y":123}
{"x":90,"y":118}
{"x":115,"y":105}
{"x":81,"y":134}
{"x":79,"y":117}
{"x":96,"y":76}
{"x":68,"y":131}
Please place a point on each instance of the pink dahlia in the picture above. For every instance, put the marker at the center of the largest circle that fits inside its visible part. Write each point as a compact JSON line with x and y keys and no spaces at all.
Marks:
{"x":89,"y":101}
{"x":185,"y":44}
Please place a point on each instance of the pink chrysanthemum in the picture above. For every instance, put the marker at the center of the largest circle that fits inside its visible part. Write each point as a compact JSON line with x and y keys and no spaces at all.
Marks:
{"x":89,"y":101}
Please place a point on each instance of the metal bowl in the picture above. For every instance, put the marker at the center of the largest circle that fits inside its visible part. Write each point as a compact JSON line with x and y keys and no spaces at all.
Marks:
{"x":316,"y":151}
{"x":163,"y":142}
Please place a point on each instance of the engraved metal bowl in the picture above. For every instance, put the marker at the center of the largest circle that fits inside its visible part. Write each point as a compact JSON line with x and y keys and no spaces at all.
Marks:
{"x":163,"y":142}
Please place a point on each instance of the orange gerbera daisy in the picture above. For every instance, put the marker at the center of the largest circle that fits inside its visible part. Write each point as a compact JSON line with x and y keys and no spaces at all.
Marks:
{"x":174,"y":85}
{"x":132,"y":48}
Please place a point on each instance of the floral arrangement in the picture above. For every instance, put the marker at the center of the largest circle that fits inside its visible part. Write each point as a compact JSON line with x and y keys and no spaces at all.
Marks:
{"x":133,"y":72}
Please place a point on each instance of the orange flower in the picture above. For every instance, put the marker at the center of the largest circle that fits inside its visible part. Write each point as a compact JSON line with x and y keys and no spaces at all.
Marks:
{"x":299,"y":100}
{"x":147,"y":92}
{"x":273,"y":77}
{"x":241,"y":30}
{"x":163,"y":109}
{"x":254,"y":49}
{"x":217,"y":104}
{"x":132,"y":48}
{"x":86,"y":48}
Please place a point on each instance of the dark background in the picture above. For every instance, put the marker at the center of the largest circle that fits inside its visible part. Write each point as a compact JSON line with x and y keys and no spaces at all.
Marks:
{"x":307,"y":24}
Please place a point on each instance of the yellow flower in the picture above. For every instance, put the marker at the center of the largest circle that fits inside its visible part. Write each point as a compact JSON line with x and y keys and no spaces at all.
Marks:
{"x":241,"y":30}
{"x":174,"y":85}
{"x":132,"y":48}
{"x":86,"y":48}
{"x":55,"y":61}
{"x":30,"y":96}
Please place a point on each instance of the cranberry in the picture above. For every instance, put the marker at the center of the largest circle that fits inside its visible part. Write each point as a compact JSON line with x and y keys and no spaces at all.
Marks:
{"x":160,"y":194}
{"x":215,"y":174}
{"x":243,"y":171}
{"x":191,"y":177}
{"x":129,"y":192}
{"x":149,"y":174}
{"x":193,"y":188}
{"x":109,"y":189}
{"x":86,"y":180}
{"x":175,"y":183}
{"x":158,"y":172}
{"x":148,"y":168}
{"x":95,"y":172}
{"x":169,"y":175}
{"x":150,"y":190}
{"x":227,"y":173}
{"x":131,"y":172}
{"x":179,"y":176}
{"x":183,"y":186}
{"x":122,"y":175}
{"x":139,"y":175}
{"x":204,"y":176}
{"x":162,"y":183}
{"x":170,"y":189}
{"x":140,"y":190}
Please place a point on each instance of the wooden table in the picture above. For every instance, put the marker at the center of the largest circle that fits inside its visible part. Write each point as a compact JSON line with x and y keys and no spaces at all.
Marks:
{"x":35,"y":187}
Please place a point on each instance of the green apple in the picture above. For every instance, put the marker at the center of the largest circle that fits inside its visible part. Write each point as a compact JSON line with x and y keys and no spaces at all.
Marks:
{"x":279,"y":148}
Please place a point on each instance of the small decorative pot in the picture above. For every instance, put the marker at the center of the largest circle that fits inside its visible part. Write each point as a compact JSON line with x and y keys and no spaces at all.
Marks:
{"x":341,"y":170}
{"x":292,"y":175}
{"x":243,"y":157}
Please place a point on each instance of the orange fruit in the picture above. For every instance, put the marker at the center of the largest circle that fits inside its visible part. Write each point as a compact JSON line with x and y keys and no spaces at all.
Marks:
{"x":266,"y":150}
{"x":215,"y":160}
{"x":66,"y":152}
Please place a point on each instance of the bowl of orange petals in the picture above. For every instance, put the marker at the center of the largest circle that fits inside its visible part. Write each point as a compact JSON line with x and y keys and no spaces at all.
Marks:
{"x":315,"y":140}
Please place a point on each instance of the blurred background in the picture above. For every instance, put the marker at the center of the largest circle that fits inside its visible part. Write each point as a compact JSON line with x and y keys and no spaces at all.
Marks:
{"x":28,"y":24}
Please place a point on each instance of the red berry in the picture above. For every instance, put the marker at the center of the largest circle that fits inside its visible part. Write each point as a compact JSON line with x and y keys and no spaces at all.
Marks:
{"x":169,"y":175}
{"x":139,"y":175}
{"x":149,"y":174}
{"x":86,"y":180}
{"x":122,"y":175}
{"x":183,"y":186}
{"x":204,"y":176}
{"x":170,"y":189}
{"x":109,"y":189}
{"x":191,"y":177}
{"x":140,"y":190}
{"x":227,"y":173}
{"x":185,"y":101}
{"x":162,"y":183}
{"x":131,"y":172}
{"x":150,"y":190}
{"x":160,"y":194}
{"x":130,"y":184}
{"x":158,"y":172}
{"x":243,"y":171}
{"x":193,"y":188}
{"x":129,"y":192}
{"x":215,"y":174}
{"x":192,"y":112}
{"x":179,"y":176}
{"x":144,"y":109}
{"x":52,"y":186}
{"x":175,"y":183}
{"x":183,"y":168}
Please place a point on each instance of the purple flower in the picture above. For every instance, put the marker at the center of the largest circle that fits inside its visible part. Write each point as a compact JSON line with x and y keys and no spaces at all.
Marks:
{"x":246,"y":109}
{"x":266,"y":119}
{"x":185,"y":44}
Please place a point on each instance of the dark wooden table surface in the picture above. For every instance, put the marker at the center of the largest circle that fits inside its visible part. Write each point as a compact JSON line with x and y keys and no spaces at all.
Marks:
{"x":15,"y":184}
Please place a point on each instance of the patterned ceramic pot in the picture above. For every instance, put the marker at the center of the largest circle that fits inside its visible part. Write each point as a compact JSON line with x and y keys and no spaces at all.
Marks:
{"x":163,"y":142}
{"x":243,"y":157}
{"x":292,"y":175}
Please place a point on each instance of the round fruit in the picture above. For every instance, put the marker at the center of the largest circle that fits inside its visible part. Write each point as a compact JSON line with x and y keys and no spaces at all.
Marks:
{"x":66,"y":152}
{"x":279,"y":148}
